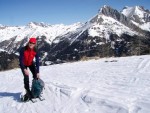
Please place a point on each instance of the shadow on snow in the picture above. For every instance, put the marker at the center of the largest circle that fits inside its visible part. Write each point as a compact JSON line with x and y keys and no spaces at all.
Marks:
{"x":15,"y":96}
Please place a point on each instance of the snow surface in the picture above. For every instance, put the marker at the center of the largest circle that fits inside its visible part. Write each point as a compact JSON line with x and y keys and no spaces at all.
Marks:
{"x":108,"y":85}
{"x":145,"y":26}
{"x":2,"y":50}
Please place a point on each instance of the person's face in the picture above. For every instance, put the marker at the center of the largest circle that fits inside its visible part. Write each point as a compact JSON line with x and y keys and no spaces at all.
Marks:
{"x":31,"y":45}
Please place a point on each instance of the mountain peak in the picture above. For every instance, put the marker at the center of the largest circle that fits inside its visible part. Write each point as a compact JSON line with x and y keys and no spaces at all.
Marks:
{"x":137,"y":13}
{"x":35,"y":24}
{"x":105,"y":7}
{"x":110,"y":12}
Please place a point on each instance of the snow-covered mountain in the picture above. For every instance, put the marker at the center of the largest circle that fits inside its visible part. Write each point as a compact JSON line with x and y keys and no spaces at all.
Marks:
{"x":139,"y":15}
{"x":61,"y":43}
{"x":110,"y":21}
{"x":34,"y":29}
{"x":108,"y":85}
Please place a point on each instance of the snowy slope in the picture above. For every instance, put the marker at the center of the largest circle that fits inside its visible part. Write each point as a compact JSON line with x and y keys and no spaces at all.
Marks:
{"x":108,"y":26}
{"x":109,"y":85}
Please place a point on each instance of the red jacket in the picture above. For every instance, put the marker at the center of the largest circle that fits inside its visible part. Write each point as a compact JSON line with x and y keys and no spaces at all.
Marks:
{"x":29,"y":55}
{"x":26,"y":58}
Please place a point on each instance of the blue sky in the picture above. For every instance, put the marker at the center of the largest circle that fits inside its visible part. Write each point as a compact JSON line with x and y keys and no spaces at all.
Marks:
{"x":21,"y":12}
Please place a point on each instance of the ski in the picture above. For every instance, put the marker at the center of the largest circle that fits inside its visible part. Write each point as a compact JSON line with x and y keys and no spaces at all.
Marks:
{"x":41,"y":98}
{"x":33,"y":100}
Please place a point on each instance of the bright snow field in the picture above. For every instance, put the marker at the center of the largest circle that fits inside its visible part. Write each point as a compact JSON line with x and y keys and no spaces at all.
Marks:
{"x":108,"y":85}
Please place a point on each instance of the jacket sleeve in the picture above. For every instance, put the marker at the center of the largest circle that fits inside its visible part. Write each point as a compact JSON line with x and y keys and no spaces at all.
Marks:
{"x":21,"y":58}
{"x":37,"y":62}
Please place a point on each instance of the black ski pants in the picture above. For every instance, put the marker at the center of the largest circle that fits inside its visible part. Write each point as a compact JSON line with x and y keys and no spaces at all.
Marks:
{"x":26,"y":77}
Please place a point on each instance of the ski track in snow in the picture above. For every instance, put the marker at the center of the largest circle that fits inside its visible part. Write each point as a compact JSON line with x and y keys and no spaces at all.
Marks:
{"x":108,"y":85}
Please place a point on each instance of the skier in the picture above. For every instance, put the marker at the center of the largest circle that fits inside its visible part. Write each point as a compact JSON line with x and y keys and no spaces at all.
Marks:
{"x":27,"y":54}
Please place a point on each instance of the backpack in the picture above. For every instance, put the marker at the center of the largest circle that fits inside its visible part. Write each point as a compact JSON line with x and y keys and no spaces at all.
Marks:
{"x":37,"y":87}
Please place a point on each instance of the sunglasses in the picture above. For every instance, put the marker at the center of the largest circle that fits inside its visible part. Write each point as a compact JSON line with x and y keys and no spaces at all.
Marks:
{"x":32,"y":43}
